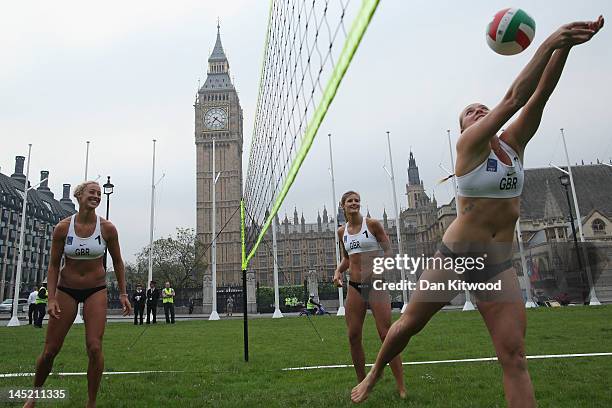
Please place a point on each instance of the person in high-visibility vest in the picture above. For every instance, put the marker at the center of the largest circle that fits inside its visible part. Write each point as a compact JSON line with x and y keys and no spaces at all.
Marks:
{"x":41,"y":306}
{"x":311,"y":305}
{"x":168,"y":295}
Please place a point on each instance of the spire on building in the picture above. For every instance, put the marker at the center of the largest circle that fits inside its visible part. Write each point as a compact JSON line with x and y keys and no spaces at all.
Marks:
{"x":286,"y":224}
{"x":385,"y":219}
{"x":325,"y":218}
{"x":551,"y":207}
{"x":340,"y":217}
{"x":413,"y":171}
{"x":218,"y":68}
{"x":302,"y":220}
{"x":218,"y":54}
{"x":296,"y":221}
{"x":368,"y":214}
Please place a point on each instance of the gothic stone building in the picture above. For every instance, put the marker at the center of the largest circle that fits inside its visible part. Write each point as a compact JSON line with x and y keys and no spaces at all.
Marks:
{"x":304,"y":248}
{"x":218,"y":116}
{"x":547,"y":233}
{"x":43,"y":212}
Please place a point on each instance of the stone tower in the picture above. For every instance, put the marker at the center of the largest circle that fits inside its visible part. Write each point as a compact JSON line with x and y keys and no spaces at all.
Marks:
{"x":415,"y":189}
{"x":218,"y":115}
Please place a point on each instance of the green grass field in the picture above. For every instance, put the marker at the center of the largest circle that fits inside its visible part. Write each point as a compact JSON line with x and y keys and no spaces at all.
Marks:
{"x":211,"y":356}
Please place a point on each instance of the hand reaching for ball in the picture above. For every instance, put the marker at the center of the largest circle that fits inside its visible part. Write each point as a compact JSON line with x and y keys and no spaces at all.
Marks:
{"x":575,"y":33}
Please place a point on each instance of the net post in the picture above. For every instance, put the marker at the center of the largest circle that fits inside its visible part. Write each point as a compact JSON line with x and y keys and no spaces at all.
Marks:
{"x":244,"y":286}
{"x":245,"y":323}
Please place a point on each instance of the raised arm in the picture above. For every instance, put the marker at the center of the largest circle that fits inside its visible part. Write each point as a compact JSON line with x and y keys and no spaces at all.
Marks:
{"x":344,"y":263}
{"x":475,"y":139}
{"x":525,"y":126}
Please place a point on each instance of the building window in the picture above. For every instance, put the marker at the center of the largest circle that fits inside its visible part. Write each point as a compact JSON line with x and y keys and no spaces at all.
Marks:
{"x":296,"y":259}
{"x":312,"y":260}
{"x":599,"y":227}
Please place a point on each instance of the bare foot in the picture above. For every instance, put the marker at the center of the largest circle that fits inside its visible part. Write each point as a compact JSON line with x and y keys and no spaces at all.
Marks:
{"x":362,"y":390}
{"x":29,"y":403}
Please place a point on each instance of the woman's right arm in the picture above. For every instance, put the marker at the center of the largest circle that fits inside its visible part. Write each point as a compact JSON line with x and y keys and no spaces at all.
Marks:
{"x":344,"y":263}
{"x":477,"y":136}
{"x":57,"y":248}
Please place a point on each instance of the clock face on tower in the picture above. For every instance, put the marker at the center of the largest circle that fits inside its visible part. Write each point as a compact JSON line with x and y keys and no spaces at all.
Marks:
{"x":215,"y":119}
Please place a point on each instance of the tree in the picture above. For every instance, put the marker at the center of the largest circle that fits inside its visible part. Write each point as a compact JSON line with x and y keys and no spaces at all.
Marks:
{"x":178,"y":259}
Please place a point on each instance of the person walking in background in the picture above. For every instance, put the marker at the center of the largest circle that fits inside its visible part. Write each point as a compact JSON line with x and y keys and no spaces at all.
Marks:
{"x":191,"y":305}
{"x":229,"y":306}
{"x":32,"y":305}
{"x":40,"y":306}
{"x":152,"y":299}
{"x":139,"y":298}
{"x":168,"y":295}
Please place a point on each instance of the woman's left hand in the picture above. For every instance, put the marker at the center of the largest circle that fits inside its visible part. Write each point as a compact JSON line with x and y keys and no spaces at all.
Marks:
{"x":127,"y":307}
{"x":597,"y":24}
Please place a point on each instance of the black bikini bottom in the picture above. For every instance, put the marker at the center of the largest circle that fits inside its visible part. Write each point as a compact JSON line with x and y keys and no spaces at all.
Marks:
{"x":477,"y":275}
{"x":80,"y":295}
{"x":362,"y":288}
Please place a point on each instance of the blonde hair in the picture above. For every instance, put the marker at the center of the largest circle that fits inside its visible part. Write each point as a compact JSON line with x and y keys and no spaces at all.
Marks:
{"x":345,"y":196}
{"x":78,"y":190}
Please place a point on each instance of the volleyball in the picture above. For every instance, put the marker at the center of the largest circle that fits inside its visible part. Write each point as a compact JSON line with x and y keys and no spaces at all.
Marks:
{"x":510,"y":31}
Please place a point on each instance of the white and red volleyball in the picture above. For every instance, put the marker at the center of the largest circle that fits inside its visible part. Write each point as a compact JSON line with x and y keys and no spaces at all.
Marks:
{"x":510,"y":31}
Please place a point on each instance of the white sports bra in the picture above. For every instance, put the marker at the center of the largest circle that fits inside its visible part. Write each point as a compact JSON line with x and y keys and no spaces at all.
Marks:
{"x":493,"y":178}
{"x":363,"y":241}
{"x":92,"y":247}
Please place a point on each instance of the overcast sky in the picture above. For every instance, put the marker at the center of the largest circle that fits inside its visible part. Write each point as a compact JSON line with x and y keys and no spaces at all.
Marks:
{"x":122,"y":73}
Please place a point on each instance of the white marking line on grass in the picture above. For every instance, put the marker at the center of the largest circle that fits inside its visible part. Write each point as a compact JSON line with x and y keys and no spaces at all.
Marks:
{"x":465,"y":360}
{"x":9,"y":375}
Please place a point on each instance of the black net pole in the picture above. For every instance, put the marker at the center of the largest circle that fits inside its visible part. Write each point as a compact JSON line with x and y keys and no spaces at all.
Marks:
{"x":245,"y":317}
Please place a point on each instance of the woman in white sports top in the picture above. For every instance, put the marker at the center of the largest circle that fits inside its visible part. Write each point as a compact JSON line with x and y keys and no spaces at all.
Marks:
{"x":82,"y":239}
{"x":363,"y":239}
{"x":489,"y":174}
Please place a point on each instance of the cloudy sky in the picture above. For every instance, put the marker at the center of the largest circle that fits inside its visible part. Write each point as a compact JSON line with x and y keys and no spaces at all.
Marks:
{"x":120,"y":74}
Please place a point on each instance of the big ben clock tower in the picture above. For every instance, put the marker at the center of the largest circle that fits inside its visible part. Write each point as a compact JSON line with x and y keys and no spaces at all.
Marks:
{"x":218,"y":116}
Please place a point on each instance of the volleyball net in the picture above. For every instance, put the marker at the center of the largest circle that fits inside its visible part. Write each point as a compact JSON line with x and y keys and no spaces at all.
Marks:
{"x":309,"y":46}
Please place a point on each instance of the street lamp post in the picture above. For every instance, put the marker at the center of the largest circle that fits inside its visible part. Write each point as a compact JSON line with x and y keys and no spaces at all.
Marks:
{"x":108,"y":190}
{"x":565,"y":182}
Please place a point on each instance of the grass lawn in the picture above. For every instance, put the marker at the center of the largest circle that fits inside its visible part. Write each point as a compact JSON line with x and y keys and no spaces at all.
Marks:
{"x":211,"y":356}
